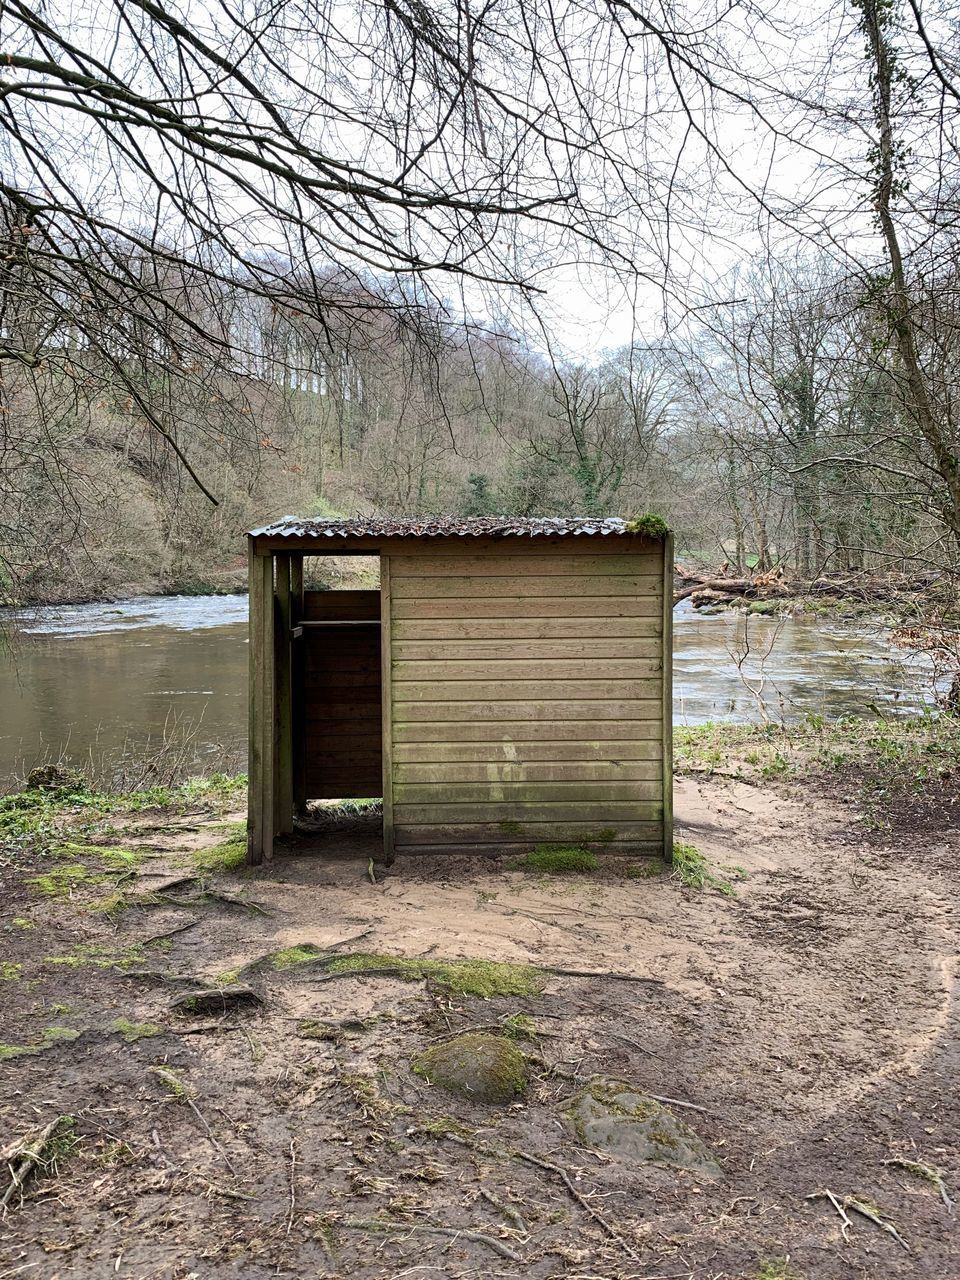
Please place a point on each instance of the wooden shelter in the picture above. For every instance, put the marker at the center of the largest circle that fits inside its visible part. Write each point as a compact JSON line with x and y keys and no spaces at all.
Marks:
{"x":509,"y":684}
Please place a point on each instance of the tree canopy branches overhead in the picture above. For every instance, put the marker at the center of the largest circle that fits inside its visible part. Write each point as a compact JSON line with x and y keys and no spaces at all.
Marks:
{"x":177,"y":180}
{"x":480,"y":141}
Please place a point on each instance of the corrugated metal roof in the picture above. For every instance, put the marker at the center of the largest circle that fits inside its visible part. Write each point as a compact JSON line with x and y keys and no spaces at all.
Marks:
{"x":439,"y":527}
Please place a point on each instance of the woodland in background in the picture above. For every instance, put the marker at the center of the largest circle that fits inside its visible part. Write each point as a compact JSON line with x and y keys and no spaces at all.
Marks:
{"x":725,"y":434}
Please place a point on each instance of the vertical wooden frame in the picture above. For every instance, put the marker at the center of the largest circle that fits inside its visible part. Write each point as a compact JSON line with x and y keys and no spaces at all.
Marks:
{"x":297,"y":682}
{"x":667,"y":645}
{"x":283,"y":795}
{"x":386,"y":694}
{"x":261,"y":753}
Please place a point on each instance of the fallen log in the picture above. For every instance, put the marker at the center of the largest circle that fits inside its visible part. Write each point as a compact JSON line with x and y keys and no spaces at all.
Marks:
{"x":708,"y":588}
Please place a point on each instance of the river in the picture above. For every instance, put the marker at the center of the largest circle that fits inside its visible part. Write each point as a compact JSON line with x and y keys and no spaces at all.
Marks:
{"x":98,"y":684}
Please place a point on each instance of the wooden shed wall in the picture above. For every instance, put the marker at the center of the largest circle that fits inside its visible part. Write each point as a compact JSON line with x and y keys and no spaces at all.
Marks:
{"x":528,"y":695}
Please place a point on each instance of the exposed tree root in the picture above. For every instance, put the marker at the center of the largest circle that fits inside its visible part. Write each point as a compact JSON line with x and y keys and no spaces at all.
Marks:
{"x":456,"y":1233}
{"x":928,"y":1173}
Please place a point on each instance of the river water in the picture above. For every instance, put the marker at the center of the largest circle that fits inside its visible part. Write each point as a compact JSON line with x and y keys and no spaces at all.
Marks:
{"x":94,"y":684}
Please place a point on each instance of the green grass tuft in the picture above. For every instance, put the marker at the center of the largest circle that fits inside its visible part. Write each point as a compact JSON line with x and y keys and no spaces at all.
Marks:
{"x":559,"y":860}
{"x":230,"y":855}
{"x":10,"y":972}
{"x":777,"y":1269}
{"x":690,"y":868}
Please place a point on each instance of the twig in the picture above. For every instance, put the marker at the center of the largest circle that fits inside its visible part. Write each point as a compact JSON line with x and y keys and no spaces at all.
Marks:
{"x":223,"y":1191}
{"x":851,"y":1202}
{"x":676,"y":1102}
{"x":461,"y":1233}
{"x":293,"y":1201}
{"x":180,"y":1091}
{"x":617,"y":1035}
{"x":864,"y":1210}
{"x":23,"y":1158}
{"x":616,"y":977}
{"x":507,"y":1210}
{"x":170,"y":933}
{"x":845,"y":1223}
{"x":204,"y":1028}
{"x":180,"y":883}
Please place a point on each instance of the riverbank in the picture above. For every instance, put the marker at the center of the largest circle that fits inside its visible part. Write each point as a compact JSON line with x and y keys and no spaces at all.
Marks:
{"x":232,"y":1060}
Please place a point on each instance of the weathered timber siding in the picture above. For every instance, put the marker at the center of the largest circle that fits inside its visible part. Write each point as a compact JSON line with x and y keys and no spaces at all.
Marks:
{"x":340,"y":696}
{"x":527,"y":696}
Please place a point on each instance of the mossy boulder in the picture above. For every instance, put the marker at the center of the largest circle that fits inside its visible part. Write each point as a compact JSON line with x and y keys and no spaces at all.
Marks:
{"x":478,"y":1066}
{"x":612,"y":1117}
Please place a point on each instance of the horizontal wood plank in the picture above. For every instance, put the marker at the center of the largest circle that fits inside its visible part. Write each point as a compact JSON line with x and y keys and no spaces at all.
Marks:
{"x":525,"y":586}
{"x":340,"y":605}
{"x":651,"y":848}
{"x":513,"y":771}
{"x":606,"y":813}
{"x":427,"y":754}
{"x":513,"y":564}
{"x":540,"y":650}
{"x":546,"y":692}
{"x":517,"y":606}
{"x":575,"y":832}
{"x":584,"y":712}
{"x":335,"y":678}
{"x":574,"y":791}
{"x":563,"y":626}
{"x":513,"y":728}
{"x":545,"y":667}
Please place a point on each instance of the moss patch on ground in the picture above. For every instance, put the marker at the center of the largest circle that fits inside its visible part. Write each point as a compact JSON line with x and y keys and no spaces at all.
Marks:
{"x":558,"y":860}
{"x":49,"y":1037}
{"x":478,"y":1066}
{"x":60,"y":881}
{"x":292,"y":957}
{"x":96,"y":956}
{"x":229,"y":855}
{"x":133,"y":1031}
{"x":483,"y":978}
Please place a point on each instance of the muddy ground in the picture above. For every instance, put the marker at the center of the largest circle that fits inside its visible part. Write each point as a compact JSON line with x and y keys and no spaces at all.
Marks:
{"x":808,"y":1022}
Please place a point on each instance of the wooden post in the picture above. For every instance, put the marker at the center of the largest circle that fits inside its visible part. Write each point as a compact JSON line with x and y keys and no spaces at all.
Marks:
{"x":260,"y":764}
{"x":298,"y":666}
{"x":283,"y":796}
{"x":667,"y":643}
{"x":386,"y":695}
